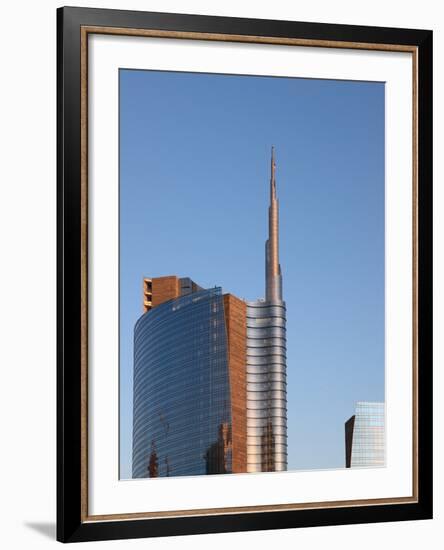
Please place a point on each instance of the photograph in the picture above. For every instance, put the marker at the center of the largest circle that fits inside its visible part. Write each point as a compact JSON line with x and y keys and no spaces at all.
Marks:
{"x":251,"y":274}
{"x":244,"y":274}
{"x":225,"y":212}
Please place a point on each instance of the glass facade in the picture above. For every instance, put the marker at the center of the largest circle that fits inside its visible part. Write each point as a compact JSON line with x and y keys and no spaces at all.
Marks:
{"x":266,"y":387}
{"x":181,"y":410}
{"x":365,"y":436}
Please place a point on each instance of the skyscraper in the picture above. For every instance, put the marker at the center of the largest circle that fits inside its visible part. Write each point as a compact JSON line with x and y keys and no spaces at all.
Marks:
{"x":266,"y":358}
{"x":189,"y":413}
{"x":210,"y":375}
{"x":365,"y":436}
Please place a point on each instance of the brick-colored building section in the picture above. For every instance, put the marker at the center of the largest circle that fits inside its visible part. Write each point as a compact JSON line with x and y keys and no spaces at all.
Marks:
{"x":161,"y":290}
{"x":236,"y":322}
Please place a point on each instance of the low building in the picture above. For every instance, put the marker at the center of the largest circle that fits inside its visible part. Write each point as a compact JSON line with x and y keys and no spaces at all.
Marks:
{"x":365,"y":436}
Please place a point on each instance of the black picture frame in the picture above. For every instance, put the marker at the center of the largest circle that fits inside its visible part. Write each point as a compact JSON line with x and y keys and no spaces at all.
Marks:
{"x":71,"y":526}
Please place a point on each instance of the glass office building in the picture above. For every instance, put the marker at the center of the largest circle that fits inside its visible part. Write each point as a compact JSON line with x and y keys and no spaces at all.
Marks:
{"x":266,"y":359}
{"x":365,"y":436}
{"x":266,"y":387}
{"x":182,"y":417}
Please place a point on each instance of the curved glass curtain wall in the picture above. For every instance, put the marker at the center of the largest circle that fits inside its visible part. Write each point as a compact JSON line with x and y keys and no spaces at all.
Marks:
{"x":266,"y":387}
{"x":182,"y":418}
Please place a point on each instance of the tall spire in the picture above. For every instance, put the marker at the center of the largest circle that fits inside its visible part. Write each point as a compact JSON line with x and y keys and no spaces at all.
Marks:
{"x":273,"y":177}
{"x":273,"y":280}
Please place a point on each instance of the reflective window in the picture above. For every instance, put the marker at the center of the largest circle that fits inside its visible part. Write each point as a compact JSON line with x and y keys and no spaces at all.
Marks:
{"x":182,"y":419}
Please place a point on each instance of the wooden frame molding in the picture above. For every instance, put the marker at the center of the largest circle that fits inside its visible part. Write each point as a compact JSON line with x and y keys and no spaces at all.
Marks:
{"x":262,"y":40}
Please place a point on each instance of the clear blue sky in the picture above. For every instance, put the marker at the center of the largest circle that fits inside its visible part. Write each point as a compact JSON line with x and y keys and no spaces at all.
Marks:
{"x":194,"y":176}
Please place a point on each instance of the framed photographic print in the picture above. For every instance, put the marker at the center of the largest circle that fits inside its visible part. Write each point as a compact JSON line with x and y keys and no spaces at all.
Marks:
{"x":244,"y":274}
